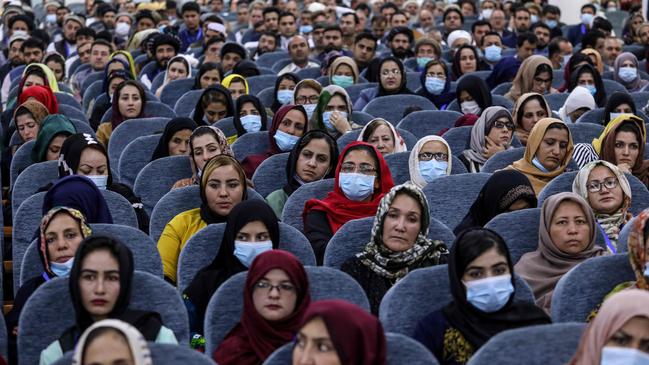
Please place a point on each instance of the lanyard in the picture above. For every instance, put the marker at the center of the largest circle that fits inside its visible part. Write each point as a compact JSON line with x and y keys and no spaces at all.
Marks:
{"x":609,"y":244}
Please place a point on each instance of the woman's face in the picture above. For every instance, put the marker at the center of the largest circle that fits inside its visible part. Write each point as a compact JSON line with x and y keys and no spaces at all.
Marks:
{"x":179,"y":143}
{"x":205,"y":147}
{"x":274,"y":296}
{"x":569,"y":228}
{"x":27,"y":127}
{"x":383,"y":139}
{"x":502,"y":131}
{"x":32,"y":80}
{"x":215,"y":111}
{"x":634,"y":335}
{"x":54,"y":148}
{"x":130,"y":102}
{"x":436,"y":71}
{"x":255,"y":231}
{"x":248,"y":108}
{"x":286,"y":84}
{"x":585,"y":79}
{"x":627,"y":148}
{"x":314,"y":160}
{"x":628,"y":63}
{"x":402,"y":223}
{"x":99,"y":283}
{"x":113,"y":84}
{"x":307,"y":95}
{"x":92,"y":162}
{"x":313,"y":345}
{"x":468,"y":62}
{"x":108,"y":348}
{"x":358,"y":160}
{"x":491,"y":263}
{"x":344,"y":70}
{"x":606,"y":200}
{"x":115,"y":66}
{"x":532,"y":113}
{"x":210,"y":78}
{"x":62,"y":238}
{"x":465,"y":96}
{"x":57,"y":68}
{"x":336,"y":103}
{"x":294,"y":123}
{"x":623,"y":108}
{"x":390,"y":76}
{"x":542,"y":83}
{"x":237,"y":88}
{"x":177,"y":70}
{"x":553,"y":148}
{"x":224,"y":190}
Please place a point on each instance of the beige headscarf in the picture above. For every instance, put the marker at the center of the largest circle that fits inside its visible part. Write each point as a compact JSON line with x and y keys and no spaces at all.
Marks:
{"x":519,"y":110}
{"x":524,"y":79}
{"x":399,"y":143}
{"x":599,"y":65}
{"x":343,"y":60}
{"x":413,"y":161}
{"x":543,"y":268}
{"x":136,"y":342}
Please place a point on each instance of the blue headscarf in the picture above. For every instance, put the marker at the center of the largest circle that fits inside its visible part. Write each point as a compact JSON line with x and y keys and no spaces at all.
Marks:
{"x":442,"y":100}
{"x":78,"y":192}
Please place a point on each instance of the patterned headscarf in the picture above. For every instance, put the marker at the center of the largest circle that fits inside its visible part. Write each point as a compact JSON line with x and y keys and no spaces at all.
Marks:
{"x":135,"y":340}
{"x":637,"y":244}
{"x":45,"y":222}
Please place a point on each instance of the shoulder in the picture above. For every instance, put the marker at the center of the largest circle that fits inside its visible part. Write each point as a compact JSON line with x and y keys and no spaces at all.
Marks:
{"x":187,"y":217}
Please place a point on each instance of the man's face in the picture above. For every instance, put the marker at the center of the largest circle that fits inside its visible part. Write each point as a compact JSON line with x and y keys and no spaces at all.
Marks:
{"x":212,"y":53}
{"x":551,"y":16}
{"x":109,"y":19}
{"x":398,"y":20}
{"x":543,"y":36}
{"x":491,"y":40}
{"x":497,"y":20}
{"x":566,"y":48}
{"x":287,"y":26}
{"x":333,"y":40}
{"x":99,"y":55}
{"x":60,"y":14}
{"x":70,"y":30}
{"x":217,"y":6}
{"x":452,"y":21}
{"x":364,"y":51}
{"x":242,"y":15}
{"x":348,"y":25}
{"x":84,"y":52}
{"x":145,"y":23}
{"x":267,"y":43}
{"x":230,"y":59}
{"x":256,"y":16}
{"x":378,"y":29}
{"x":32,"y":55}
{"x":426,"y":50}
{"x":83,"y":39}
{"x":19,"y":26}
{"x":387,"y":13}
{"x":163,"y":53}
{"x":15,"y":56}
{"x":612,"y":49}
{"x":291,"y":7}
{"x":522,"y":21}
{"x":298,"y":50}
{"x":526,"y":50}
{"x":270,"y":21}
{"x":191,"y":19}
{"x":362,"y":20}
{"x":400,"y":44}
{"x":480,"y":31}
{"x":426,"y":19}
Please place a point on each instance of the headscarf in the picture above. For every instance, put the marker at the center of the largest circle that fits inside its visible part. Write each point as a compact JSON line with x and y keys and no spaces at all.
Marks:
{"x":137,"y":344}
{"x":338,"y":208}
{"x":80,"y":193}
{"x":600,"y":94}
{"x":504,"y":71}
{"x":49,"y":75}
{"x":254,"y":338}
{"x":287,"y":76}
{"x":70,"y":155}
{"x":543,"y":268}
{"x":246,"y":68}
{"x":569,"y":68}
{"x":579,"y":98}
{"x":611,"y":224}
{"x":403,"y":88}
{"x":442,"y":100}
{"x":173,"y":126}
{"x":477,"y":88}
{"x":52,"y":126}
{"x":637,"y":245}
{"x":293,"y":181}
{"x":117,"y":118}
{"x":612,"y":316}
{"x":326,"y":94}
{"x":479,"y":133}
{"x":605,"y":144}
{"x":131,"y":62}
{"x":618,"y":98}
{"x":107,"y":74}
{"x":45,"y":222}
{"x":457,"y":69}
{"x":235,"y":78}
{"x":598,"y":64}
{"x":207,"y":215}
{"x":225,"y":264}
{"x":199,"y":111}
{"x":524,"y":79}
{"x":208,"y":66}
{"x":399,"y":144}
{"x":236,"y":119}
{"x":636,"y":84}
{"x":475,"y":325}
{"x":58,"y":58}
{"x":413,"y":161}
{"x":395,"y":265}
{"x":182,"y":59}
{"x":343,"y":60}
{"x":503,"y":189}
{"x":116,"y":74}
{"x":37,"y":110}
{"x":42,"y":94}
{"x":357,"y":336}
{"x":519,"y":110}
{"x":221,"y":140}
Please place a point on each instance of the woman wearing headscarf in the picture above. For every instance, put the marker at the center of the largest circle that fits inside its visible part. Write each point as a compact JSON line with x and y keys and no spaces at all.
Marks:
{"x":578,"y":103}
{"x":473,"y":95}
{"x":214,"y":104}
{"x":313,"y":158}
{"x":362,"y":179}
{"x":356,"y":335}
{"x":306,"y":93}
{"x":34,"y":74}
{"x":483,"y":287}
{"x":131,"y":106}
{"x":528,"y":110}
{"x":608,"y":193}
{"x":28,"y":119}
{"x":80,"y":193}
{"x":89,"y":258}
{"x":178,"y":68}
{"x":56,"y":63}
{"x":618,"y":333}
{"x":429,"y":159}
{"x":208,"y":74}
{"x":175,"y":138}
{"x":233,"y":257}
{"x":395,"y":248}
{"x":284,"y":91}
{"x":54,"y":129}
{"x":392,"y":81}
{"x":492,"y":133}
{"x":626,"y":72}
{"x":223,"y":186}
{"x":249,"y":117}
{"x":586,"y":76}
{"x":596,"y":58}
{"x":534,"y":75}
{"x":559,"y":251}
{"x":289,"y":124}
{"x":638,"y":248}
{"x":381,"y":134}
{"x":333,"y":112}
{"x":547,"y":154}
{"x":343,"y":72}
{"x":236,"y":84}
{"x":436,"y":84}
{"x":576,"y":60}
{"x":617,"y":104}
{"x":42,"y":94}
{"x":465,"y":61}
{"x":124,"y":340}
{"x":204,"y":143}
{"x":103,"y":102}
{"x":505,"y":191}
{"x":261,"y":330}
{"x":125,"y":56}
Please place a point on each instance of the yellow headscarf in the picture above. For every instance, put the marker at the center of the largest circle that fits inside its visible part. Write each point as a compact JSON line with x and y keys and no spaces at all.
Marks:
{"x":129,"y":58}
{"x":612,"y":125}
{"x":234,"y":77}
{"x":51,"y":79}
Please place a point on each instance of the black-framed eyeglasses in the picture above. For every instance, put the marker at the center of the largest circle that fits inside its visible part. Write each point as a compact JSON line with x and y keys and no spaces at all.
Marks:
{"x":313,"y":99}
{"x":596,"y":186}
{"x":427,"y":156}
{"x":283,"y":287}
{"x":500,"y":125}
{"x":364,"y":168}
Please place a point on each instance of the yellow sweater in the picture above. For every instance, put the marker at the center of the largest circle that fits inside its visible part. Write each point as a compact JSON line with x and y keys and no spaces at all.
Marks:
{"x":174,"y":237}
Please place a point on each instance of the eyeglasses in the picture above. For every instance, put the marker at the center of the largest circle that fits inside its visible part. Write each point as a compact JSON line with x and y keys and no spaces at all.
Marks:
{"x":364,"y":168}
{"x":500,"y":125}
{"x":596,"y":186}
{"x":283,"y":287}
{"x":313,"y":99}
{"x":427,"y":156}
{"x":395,"y":72}
{"x":542,"y":81}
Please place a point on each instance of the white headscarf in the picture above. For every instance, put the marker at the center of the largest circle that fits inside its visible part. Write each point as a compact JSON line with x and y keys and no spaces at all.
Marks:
{"x":580,"y":97}
{"x":136,"y":342}
{"x":413,"y":161}
{"x":399,"y":144}
{"x":458,"y":34}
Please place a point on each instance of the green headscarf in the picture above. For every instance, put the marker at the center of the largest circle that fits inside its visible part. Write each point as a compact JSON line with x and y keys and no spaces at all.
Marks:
{"x":326,"y":95}
{"x":52,"y":126}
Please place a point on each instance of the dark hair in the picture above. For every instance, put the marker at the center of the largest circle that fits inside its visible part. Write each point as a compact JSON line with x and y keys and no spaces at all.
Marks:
{"x":520,"y":8}
{"x":521,"y":109}
{"x":135,"y":84}
{"x":378,"y":18}
{"x":602,"y":24}
{"x":540,"y":25}
{"x":472,"y":243}
{"x":453,"y":10}
{"x":559,"y":126}
{"x":213,"y":40}
{"x":271,"y":9}
{"x":551,"y":9}
{"x":21,"y":18}
{"x":589,"y":40}
{"x":207,"y":66}
{"x":527,"y":36}
{"x":285,"y":14}
{"x":555,"y":45}
{"x":371,"y":151}
{"x":372,"y":127}
{"x":492,"y":33}
{"x":354,"y":15}
{"x":214,"y":96}
{"x":86,"y":31}
{"x":32,"y":42}
{"x":629,"y":126}
{"x":41,"y":34}
{"x":364,"y":35}
{"x":591,"y":6}
{"x":389,"y":5}
{"x":480,"y":23}
{"x":102,"y":42}
{"x":334,"y":27}
{"x":56,"y":58}
{"x":190,"y":6}
{"x":544,"y":67}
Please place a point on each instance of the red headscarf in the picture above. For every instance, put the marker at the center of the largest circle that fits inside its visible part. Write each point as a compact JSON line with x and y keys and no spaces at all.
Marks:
{"x":254,"y":338}
{"x":338,"y":207}
{"x":357,"y":335}
{"x":43,"y":94}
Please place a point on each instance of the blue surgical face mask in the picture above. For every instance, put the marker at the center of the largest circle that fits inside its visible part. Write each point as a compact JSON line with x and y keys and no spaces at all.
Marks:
{"x":534,"y":18}
{"x":285,"y":141}
{"x":422,"y":61}
{"x":342,"y":80}
{"x":247,"y":251}
{"x":491,"y":294}
{"x":309,"y":109}
{"x":431,"y":170}
{"x":284,"y":96}
{"x":493,"y":53}
{"x":355,"y":186}
{"x":325,"y":119}
{"x":623,"y":356}
{"x":551,"y":23}
{"x":251,"y":123}
{"x":305,"y":29}
{"x":586,"y":18}
{"x":62,"y":270}
{"x":435,"y":85}
{"x":101,"y":181}
{"x":50,"y":18}
{"x":628,"y":74}
{"x":646,"y":270}
{"x":538,"y":164}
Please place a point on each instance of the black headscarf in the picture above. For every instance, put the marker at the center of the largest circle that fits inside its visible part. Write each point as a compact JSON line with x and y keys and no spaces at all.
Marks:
{"x":372,"y":73}
{"x":80,"y":193}
{"x":225,"y":264}
{"x":276,"y":105}
{"x":207,"y":214}
{"x":403,"y":88}
{"x":246,"y":68}
{"x":475,"y":325}
{"x":173,"y":126}
{"x":502,"y":189}
{"x":614,"y":101}
{"x":148,"y":323}
{"x":199,"y":112}
{"x":446,"y":96}
{"x":477,"y":88}
{"x":260,"y":108}
{"x":600,"y":94}
{"x":457,"y":71}
{"x":71,"y":151}
{"x":291,"y":165}
{"x":207,"y":66}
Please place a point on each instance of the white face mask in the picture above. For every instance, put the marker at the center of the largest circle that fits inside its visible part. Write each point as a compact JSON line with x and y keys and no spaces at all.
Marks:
{"x":623,"y":356}
{"x":62,"y":270}
{"x":122,"y":29}
{"x":491,"y":294}
{"x":100,"y":180}
{"x":470,"y":107}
